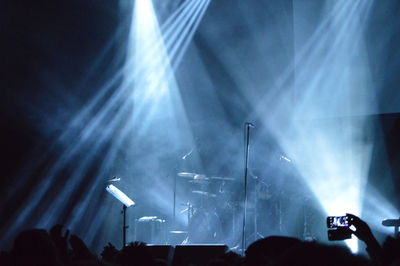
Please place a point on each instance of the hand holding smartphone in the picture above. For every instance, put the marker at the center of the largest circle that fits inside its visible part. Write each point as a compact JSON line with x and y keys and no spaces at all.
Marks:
{"x":339,"y":227}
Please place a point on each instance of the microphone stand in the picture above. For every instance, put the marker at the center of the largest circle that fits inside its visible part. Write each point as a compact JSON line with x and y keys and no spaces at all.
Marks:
{"x":174,"y":210}
{"x":247,"y":127}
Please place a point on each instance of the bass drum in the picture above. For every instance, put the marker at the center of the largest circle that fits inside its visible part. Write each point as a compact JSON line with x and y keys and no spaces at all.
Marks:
{"x":204,"y":228}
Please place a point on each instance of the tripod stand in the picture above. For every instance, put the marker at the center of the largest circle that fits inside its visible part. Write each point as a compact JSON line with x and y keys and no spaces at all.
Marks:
{"x":255,"y":235}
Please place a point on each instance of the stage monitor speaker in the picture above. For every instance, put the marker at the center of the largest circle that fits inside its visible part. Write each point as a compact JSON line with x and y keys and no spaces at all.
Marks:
{"x":197,"y":254}
{"x":151,"y":230}
{"x":162,"y":252}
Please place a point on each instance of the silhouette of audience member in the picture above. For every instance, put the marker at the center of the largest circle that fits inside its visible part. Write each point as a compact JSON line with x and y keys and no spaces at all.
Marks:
{"x":228,"y":259}
{"x":265,"y":251}
{"x":364,"y":233}
{"x":34,"y":247}
{"x":316,"y":254}
{"x":391,"y":251}
{"x":109,"y":253}
{"x":61,"y":243}
{"x":5,"y":258}
{"x":38,"y":247}
{"x":80,"y":252}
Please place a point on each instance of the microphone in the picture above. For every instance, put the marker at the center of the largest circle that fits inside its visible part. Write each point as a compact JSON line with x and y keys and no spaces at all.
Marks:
{"x":114,"y":179}
{"x":283,"y":157}
{"x":250,"y":124}
{"x":187,"y":154}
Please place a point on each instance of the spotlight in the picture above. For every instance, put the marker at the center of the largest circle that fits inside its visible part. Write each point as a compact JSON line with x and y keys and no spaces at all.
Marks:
{"x":119,"y":195}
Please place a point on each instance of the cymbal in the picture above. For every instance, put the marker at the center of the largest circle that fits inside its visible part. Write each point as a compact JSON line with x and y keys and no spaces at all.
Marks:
{"x":201,"y":177}
{"x":222,"y":178}
{"x":194,"y":176}
{"x":178,"y":232}
{"x":186,"y":174}
{"x":204,"y":193}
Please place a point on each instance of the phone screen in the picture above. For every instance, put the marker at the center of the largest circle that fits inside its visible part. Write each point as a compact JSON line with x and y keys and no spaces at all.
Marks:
{"x":337,"y":221}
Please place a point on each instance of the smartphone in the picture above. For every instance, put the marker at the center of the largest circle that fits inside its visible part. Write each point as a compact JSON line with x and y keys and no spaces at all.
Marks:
{"x":337,"y":221}
{"x":340,"y":233}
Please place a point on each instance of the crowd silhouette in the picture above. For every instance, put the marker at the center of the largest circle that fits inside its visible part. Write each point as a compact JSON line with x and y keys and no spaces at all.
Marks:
{"x":41,"y":247}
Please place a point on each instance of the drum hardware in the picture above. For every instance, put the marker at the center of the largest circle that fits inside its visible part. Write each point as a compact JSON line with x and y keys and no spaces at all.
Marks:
{"x":204,"y":227}
{"x":189,"y":209}
{"x":257,"y":235}
{"x":187,"y":154}
{"x":204,"y":224}
{"x":184,"y":210}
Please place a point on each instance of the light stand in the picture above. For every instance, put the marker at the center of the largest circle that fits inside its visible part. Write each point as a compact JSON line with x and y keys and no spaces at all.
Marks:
{"x":127,"y":202}
{"x":124,"y":226}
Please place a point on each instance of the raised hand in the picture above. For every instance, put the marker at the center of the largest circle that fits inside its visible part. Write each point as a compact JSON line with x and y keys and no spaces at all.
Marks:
{"x":60,"y":241}
{"x":79,"y":248}
{"x":363,"y":232}
{"x":109,"y":252}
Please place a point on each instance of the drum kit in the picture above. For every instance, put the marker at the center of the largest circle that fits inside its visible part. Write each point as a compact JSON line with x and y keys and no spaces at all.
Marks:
{"x":205,"y":224}
{"x":216,"y":204}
